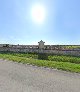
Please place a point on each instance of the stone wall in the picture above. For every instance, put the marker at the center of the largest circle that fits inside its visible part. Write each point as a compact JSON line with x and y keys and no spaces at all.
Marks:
{"x":49,"y":49}
{"x":41,"y":48}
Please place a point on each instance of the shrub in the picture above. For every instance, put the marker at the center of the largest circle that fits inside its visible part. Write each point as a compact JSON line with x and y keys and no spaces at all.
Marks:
{"x":43,"y":56}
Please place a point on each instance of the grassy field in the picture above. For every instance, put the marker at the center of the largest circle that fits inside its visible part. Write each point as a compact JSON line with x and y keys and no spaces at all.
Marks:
{"x":67,"y":63}
{"x":64,"y":59}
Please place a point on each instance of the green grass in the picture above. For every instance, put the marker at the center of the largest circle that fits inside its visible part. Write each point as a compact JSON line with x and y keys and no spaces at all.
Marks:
{"x":62,"y":58}
{"x":51,"y":63}
{"x":71,"y":47}
{"x":57,"y":58}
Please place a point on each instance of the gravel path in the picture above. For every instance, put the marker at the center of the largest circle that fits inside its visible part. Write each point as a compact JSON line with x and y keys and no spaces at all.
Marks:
{"x":16,"y":77}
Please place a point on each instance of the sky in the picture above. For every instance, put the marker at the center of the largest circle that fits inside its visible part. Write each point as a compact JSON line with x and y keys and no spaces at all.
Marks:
{"x":61,"y":25}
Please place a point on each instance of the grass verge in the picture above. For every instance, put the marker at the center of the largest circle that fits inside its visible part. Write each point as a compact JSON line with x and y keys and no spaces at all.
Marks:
{"x":67,"y":66}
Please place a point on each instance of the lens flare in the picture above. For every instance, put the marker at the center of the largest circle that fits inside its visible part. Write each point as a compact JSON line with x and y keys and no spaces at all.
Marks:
{"x":38,"y":13}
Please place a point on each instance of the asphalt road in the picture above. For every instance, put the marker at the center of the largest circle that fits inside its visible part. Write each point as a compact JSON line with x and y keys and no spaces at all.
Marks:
{"x":16,"y":77}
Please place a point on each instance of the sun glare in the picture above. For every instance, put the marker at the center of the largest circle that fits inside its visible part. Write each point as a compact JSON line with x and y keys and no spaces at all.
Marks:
{"x":38,"y":13}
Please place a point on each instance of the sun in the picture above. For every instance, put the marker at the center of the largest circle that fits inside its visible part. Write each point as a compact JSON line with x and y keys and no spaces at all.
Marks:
{"x":38,"y":13}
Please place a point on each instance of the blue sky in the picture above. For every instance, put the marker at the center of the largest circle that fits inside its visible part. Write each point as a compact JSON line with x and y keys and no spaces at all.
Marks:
{"x":61,"y":24}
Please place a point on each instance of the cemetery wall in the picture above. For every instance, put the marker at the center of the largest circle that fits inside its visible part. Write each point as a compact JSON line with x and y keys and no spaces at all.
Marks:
{"x":49,"y":49}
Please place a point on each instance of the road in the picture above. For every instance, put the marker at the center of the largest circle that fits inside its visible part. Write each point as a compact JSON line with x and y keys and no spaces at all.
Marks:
{"x":17,"y":77}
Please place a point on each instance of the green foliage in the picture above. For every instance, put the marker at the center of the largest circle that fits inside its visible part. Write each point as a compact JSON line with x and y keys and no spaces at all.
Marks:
{"x":72,"y":47}
{"x":57,"y":58}
{"x":42,"y":56}
{"x":35,"y":56}
{"x":56,"y":63}
{"x":64,"y":58}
